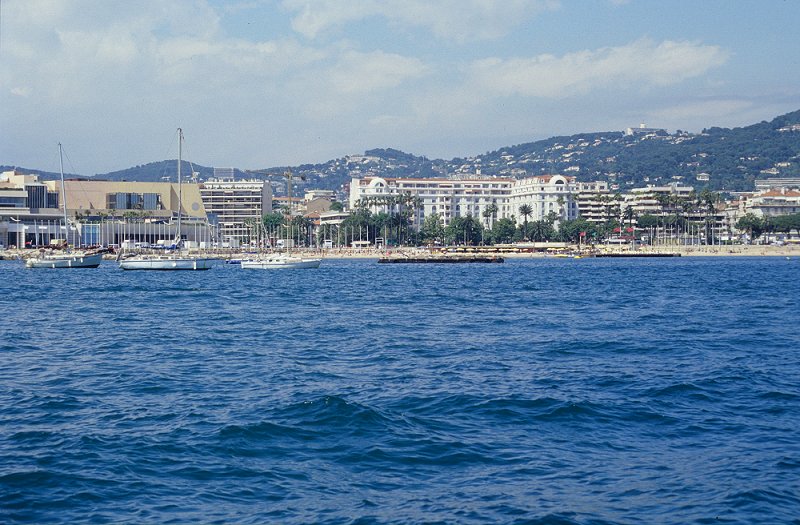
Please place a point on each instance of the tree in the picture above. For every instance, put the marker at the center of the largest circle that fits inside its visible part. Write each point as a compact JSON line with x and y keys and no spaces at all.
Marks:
{"x":272,"y":223}
{"x":708,"y":201}
{"x":752,"y":224}
{"x":337,"y":206}
{"x":542,"y":231}
{"x":570,"y":231}
{"x":503,"y":231}
{"x":489,"y":212}
{"x":466,"y":230}
{"x":629,"y":215}
{"x":432,"y":229}
{"x":526,"y":211}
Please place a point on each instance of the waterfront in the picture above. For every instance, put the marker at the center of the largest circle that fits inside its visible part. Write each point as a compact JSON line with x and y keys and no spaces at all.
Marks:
{"x":557,"y":390}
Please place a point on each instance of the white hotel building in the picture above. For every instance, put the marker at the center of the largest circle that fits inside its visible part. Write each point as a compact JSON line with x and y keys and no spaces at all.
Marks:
{"x":471,"y":196}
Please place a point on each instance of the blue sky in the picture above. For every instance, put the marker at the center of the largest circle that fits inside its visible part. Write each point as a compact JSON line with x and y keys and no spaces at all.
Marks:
{"x":261,"y":83}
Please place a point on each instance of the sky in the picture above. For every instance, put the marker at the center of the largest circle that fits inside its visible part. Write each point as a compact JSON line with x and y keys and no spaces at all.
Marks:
{"x":264,"y":83}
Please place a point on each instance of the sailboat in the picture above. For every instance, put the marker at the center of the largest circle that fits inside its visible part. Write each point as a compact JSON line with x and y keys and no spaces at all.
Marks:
{"x":280,"y":260}
{"x":173,"y":261}
{"x":68,"y":258}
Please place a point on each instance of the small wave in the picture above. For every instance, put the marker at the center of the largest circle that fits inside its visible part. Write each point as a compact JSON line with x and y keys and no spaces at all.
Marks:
{"x":570,"y":411}
{"x":333,"y":413}
{"x":681,"y":390}
{"x":766,"y":498}
{"x":779,"y":396}
{"x":263,"y":430}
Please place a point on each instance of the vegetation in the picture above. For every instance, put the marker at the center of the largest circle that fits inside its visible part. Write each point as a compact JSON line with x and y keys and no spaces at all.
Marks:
{"x":732,"y":158}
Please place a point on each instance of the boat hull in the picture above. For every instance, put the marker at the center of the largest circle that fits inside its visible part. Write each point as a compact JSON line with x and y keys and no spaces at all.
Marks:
{"x":65,"y":261}
{"x":166,"y":263}
{"x":267,"y":264}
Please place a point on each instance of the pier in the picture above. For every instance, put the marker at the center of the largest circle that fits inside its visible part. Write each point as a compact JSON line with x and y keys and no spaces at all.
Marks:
{"x":442,"y":259}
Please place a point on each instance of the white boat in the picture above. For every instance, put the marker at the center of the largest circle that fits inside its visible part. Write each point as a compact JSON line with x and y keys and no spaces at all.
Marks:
{"x":165,"y":262}
{"x":277,"y":261}
{"x":68,"y":258}
{"x":173,"y":261}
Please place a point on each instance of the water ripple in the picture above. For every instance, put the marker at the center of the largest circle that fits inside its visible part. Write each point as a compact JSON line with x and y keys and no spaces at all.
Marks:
{"x":535,"y":392}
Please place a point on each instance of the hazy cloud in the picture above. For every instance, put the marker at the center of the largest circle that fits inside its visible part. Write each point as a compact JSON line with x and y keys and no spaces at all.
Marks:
{"x":458,"y":20}
{"x":641,"y":63}
{"x":271,"y":82}
{"x":357,"y":72}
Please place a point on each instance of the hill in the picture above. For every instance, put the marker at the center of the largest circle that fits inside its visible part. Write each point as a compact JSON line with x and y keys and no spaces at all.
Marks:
{"x":720,"y":159}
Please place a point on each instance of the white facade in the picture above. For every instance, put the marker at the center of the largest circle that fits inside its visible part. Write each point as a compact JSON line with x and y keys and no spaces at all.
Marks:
{"x":235,"y":204}
{"x":545,"y":195}
{"x":773,"y":202}
{"x":450,"y":198}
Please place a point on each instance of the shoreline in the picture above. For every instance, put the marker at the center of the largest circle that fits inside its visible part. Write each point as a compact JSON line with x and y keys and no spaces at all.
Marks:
{"x":347,"y":253}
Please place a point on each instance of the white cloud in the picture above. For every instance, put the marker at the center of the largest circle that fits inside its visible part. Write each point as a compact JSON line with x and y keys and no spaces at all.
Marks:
{"x":457,"y":20}
{"x":639,"y":64}
{"x":358,"y":72}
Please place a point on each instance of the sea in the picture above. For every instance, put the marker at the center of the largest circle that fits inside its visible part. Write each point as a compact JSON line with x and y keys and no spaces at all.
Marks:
{"x":538,"y":391}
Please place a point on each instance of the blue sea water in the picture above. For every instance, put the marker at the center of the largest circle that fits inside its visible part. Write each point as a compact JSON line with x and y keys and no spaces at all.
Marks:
{"x":540,"y":391}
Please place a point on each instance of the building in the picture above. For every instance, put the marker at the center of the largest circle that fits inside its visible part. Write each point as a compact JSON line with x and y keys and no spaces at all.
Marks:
{"x":768,"y":184}
{"x":772,"y":202}
{"x":236,"y":205}
{"x":547,"y":196}
{"x":310,"y":195}
{"x":658,"y":200}
{"x":644,"y":130}
{"x":99,"y":212}
{"x":450,"y":198}
{"x":591,"y":199}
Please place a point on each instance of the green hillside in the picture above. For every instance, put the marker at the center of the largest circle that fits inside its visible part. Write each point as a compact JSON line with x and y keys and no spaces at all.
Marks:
{"x":731,"y":159}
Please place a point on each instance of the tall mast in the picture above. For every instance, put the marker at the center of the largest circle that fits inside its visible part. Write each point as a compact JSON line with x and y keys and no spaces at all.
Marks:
{"x":63,"y":192}
{"x":180,"y":194}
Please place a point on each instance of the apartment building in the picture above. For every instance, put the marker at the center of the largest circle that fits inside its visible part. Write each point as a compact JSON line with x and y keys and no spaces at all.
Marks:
{"x":772,"y":202}
{"x":235,"y":204}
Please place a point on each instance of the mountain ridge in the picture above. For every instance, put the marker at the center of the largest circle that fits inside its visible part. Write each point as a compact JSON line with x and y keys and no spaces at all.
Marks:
{"x":721,"y":159}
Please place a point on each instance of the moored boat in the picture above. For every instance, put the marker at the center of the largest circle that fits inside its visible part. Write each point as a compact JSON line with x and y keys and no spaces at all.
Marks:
{"x":66,"y":260}
{"x":173,"y":261}
{"x":165,"y":262}
{"x":277,"y":261}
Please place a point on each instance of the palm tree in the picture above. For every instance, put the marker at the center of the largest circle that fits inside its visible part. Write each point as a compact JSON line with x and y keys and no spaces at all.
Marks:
{"x":708,"y":201}
{"x":525,"y":210}
{"x":686,"y":205}
{"x":489,"y":212}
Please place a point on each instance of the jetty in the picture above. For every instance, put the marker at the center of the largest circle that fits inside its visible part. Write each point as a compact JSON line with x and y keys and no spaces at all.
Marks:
{"x":442,"y":259}
{"x":636,"y":254}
